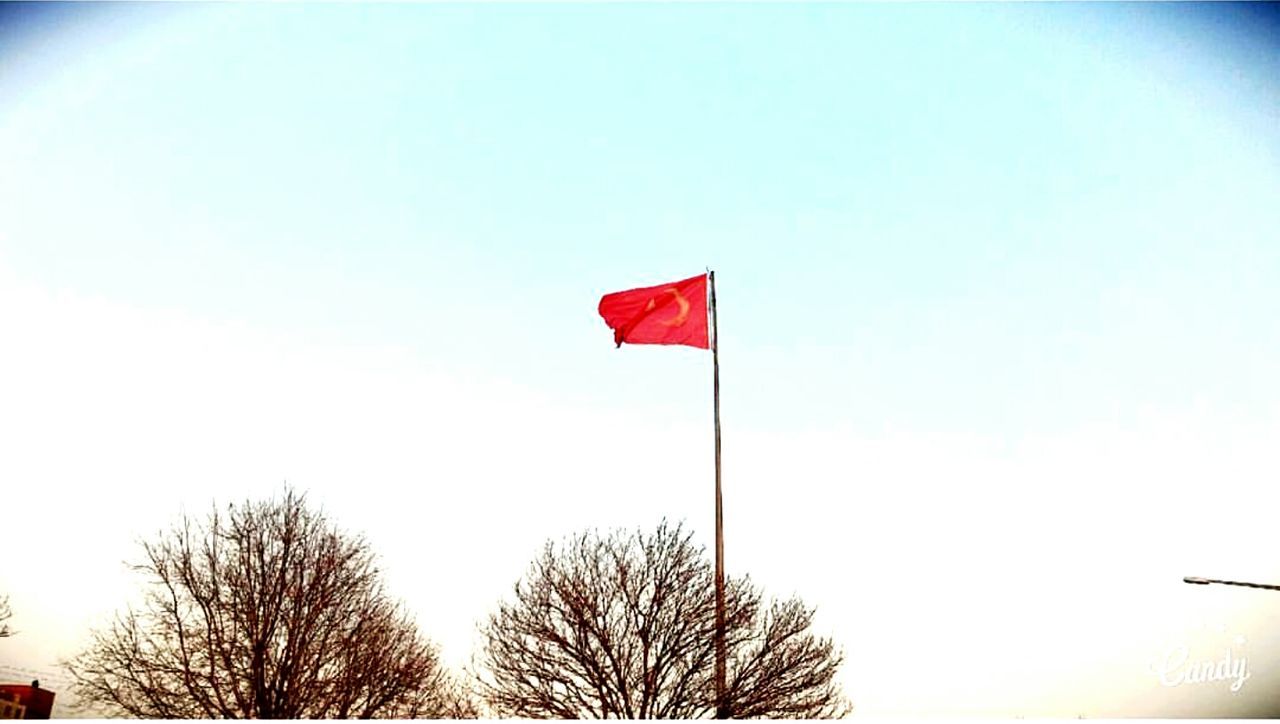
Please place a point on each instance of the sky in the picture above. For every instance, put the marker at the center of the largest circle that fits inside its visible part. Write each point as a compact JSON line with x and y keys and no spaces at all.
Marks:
{"x":996,"y":307}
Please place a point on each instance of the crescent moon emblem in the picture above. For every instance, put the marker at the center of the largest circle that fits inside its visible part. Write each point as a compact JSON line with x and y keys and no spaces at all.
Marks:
{"x":681,"y":315}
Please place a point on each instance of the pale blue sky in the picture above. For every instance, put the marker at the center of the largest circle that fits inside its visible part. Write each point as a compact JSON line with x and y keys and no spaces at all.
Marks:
{"x":1055,"y":198}
{"x":960,"y":248}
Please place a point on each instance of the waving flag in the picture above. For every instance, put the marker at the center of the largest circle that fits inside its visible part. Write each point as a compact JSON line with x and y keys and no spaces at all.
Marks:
{"x":674,"y":313}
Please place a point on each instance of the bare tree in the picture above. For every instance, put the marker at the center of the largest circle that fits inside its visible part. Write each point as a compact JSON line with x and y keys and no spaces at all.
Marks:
{"x":264,"y":611}
{"x":623,"y":626}
{"x":6,"y":613}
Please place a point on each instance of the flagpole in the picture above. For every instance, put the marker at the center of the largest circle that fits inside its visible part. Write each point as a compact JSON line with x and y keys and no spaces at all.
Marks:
{"x":722,"y":706}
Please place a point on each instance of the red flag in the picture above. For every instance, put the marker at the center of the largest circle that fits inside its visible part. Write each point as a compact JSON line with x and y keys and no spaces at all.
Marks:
{"x":674,"y":313}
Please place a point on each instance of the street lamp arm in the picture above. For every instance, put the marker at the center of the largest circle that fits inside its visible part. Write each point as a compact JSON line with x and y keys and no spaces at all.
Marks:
{"x":1196,"y":580}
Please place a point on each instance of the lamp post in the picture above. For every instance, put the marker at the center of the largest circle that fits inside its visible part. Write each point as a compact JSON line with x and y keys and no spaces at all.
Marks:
{"x":1195,"y":580}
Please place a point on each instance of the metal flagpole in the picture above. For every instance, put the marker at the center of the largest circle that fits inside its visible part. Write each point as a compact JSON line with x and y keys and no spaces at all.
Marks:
{"x":722,"y":706}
